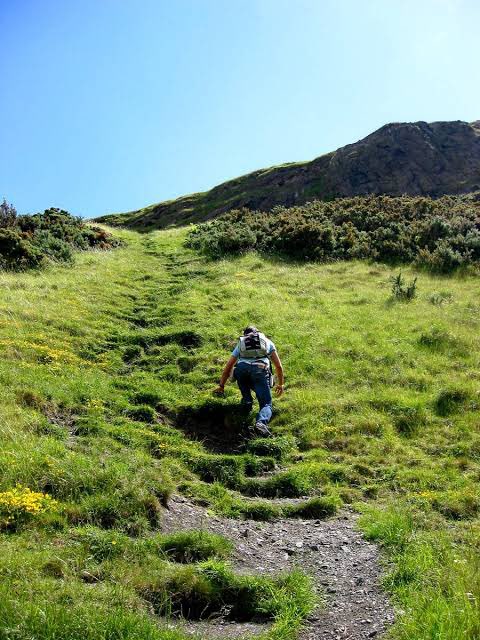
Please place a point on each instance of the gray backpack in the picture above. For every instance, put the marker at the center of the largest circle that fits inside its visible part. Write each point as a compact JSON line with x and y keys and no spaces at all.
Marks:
{"x":253,"y":345}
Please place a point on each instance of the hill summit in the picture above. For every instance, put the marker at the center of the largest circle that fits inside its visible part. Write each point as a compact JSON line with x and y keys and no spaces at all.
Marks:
{"x":420,"y":158}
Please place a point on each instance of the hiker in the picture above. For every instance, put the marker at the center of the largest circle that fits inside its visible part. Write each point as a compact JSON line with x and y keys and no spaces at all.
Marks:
{"x":253,"y":372}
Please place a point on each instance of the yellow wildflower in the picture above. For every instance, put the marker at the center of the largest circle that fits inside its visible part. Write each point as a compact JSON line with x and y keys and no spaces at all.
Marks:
{"x":21,"y":503}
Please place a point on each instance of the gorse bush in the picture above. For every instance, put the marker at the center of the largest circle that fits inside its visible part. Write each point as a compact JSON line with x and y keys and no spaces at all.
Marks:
{"x":8,"y":215}
{"x":28,"y":242}
{"x":440,"y":235}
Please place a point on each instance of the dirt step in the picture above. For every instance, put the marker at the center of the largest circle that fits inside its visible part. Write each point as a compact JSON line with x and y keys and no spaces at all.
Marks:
{"x":344,"y":566}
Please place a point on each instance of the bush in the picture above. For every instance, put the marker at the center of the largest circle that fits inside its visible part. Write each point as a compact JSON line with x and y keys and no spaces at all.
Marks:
{"x":16,"y":252}
{"x":401,"y":290}
{"x":27,"y":242}
{"x":8,"y":215}
{"x":441,"y":235}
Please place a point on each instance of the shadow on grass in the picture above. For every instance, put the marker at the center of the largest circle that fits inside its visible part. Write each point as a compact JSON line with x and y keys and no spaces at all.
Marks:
{"x":222,"y":428}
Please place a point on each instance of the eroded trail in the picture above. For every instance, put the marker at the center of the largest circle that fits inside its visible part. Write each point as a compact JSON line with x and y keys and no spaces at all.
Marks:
{"x":345,"y":568}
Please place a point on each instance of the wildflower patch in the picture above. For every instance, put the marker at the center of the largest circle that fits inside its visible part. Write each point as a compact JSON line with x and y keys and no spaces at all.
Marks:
{"x":20,"y":505}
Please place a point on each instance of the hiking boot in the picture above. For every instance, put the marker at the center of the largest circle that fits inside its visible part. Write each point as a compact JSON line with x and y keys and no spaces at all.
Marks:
{"x":262,"y":429}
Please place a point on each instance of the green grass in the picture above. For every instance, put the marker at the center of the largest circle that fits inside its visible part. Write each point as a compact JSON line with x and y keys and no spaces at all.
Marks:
{"x":107,"y":371}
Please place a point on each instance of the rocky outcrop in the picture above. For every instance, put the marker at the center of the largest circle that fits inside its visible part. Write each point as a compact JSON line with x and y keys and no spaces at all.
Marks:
{"x":419,"y":158}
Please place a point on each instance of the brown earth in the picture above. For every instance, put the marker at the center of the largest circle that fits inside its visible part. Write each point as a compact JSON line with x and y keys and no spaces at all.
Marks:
{"x":420,"y":158}
{"x":346,"y":570}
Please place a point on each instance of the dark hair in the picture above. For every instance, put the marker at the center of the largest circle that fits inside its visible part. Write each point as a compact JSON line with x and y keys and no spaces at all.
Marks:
{"x":250,"y":329}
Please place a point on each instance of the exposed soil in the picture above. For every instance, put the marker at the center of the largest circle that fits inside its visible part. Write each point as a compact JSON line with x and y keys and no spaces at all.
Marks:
{"x":345,"y":567}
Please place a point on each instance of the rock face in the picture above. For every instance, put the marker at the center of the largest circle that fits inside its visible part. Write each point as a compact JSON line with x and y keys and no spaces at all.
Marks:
{"x":419,"y":158}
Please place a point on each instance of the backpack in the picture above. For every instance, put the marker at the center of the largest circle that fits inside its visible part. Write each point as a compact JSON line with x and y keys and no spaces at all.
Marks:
{"x":253,"y":345}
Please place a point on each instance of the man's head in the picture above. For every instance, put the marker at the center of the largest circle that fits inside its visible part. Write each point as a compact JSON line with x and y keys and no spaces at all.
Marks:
{"x":250,"y":329}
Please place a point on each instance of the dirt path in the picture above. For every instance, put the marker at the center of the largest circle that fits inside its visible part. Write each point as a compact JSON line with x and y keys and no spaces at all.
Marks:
{"x":344,"y":566}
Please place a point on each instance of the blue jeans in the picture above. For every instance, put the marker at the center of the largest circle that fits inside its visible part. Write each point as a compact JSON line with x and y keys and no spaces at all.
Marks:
{"x":251,"y":377}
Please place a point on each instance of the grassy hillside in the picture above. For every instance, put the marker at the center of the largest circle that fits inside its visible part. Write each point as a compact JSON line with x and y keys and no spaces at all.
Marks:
{"x":107,"y":372}
{"x":272,"y":185}
{"x":415,"y":158}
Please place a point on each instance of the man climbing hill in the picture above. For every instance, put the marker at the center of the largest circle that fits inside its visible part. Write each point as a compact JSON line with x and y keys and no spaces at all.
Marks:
{"x":251,"y":359}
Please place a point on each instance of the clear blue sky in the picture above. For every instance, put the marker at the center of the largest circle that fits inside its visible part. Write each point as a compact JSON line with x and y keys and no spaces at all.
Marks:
{"x":111,"y":105}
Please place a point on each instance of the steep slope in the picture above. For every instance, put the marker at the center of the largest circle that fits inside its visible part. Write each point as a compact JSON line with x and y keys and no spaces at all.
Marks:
{"x":107,"y":372}
{"x":413,"y":158}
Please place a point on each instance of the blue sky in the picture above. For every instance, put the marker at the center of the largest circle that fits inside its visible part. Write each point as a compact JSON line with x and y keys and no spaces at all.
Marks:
{"x":111,"y":105}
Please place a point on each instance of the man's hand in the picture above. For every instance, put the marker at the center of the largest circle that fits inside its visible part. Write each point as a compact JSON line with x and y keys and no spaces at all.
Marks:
{"x":279,"y":389}
{"x":219,"y":391}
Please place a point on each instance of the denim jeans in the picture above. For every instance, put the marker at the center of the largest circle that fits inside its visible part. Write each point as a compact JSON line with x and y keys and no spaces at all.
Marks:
{"x":251,"y":377}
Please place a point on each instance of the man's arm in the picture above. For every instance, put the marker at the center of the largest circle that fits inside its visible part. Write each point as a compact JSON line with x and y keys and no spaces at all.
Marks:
{"x":279,"y":371}
{"x":225,"y":374}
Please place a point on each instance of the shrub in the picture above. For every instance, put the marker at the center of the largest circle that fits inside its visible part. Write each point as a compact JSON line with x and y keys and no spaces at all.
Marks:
{"x":441,"y":235}
{"x":8,"y":215}
{"x":29,"y":241}
{"x":52,"y":247}
{"x":16,"y":252}
{"x":401,"y":290}
{"x":443,"y":259}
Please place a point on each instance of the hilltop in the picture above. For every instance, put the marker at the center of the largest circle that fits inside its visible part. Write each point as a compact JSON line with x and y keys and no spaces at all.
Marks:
{"x":420,"y":159}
